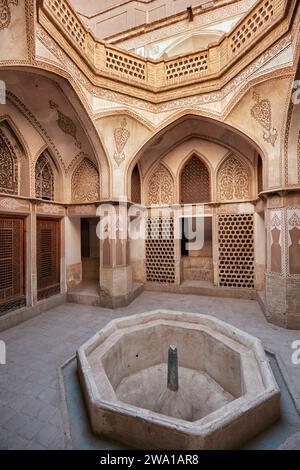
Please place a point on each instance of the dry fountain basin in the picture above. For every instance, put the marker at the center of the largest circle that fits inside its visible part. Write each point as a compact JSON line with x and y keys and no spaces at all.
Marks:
{"x":175,"y":380}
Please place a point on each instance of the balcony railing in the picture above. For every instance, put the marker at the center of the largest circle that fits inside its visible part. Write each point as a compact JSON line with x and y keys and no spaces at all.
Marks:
{"x":165,"y":73}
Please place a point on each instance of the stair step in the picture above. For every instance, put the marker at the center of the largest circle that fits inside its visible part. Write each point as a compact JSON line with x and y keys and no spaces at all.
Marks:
{"x":197,"y":262}
{"x":196,"y":274}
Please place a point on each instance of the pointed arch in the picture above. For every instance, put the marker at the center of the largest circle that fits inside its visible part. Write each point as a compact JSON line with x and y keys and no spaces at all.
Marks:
{"x":85,"y":184}
{"x":195,"y":181}
{"x":160,"y":186}
{"x":9,"y":169}
{"x":233,"y":179}
{"x":136,"y":185}
{"x":44,"y":177}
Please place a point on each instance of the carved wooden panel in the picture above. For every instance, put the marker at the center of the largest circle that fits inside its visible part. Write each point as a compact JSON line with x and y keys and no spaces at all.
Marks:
{"x":194,"y":182}
{"x":44,"y":178}
{"x":85,"y":182}
{"x":136,"y":186}
{"x":12,"y":282}
{"x":160,"y":251}
{"x":8,"y":167}
{"x":233,"y":180}
{"x":236,"y":250}
{"x":48,"y":258}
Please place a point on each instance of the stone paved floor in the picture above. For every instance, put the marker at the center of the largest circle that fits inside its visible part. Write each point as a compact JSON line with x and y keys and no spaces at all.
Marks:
{"x":30,"y":402}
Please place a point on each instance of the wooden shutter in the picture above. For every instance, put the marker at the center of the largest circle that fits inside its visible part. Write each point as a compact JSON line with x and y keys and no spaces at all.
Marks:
{"x":12,"y":281}
{"x":48,"y":258}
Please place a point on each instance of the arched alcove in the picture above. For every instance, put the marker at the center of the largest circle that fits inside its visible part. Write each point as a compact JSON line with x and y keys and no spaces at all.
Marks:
{"x":194,"y":182}
{"x":44,"y":177}
{"x":85,"y":185}
{"x":136,"y":185}
{"x":160,"y":187}
{"x":9,"y":167}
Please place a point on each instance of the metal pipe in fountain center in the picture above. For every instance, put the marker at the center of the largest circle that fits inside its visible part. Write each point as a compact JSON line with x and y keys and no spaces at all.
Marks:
{"x":172,"y":368}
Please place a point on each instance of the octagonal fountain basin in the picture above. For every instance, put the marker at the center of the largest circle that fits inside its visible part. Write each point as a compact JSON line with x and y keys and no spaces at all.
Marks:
{"x":175,"y":380}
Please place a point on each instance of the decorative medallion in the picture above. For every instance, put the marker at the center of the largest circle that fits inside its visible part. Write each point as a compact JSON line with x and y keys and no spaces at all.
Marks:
{"x":121,"y":136}
{"x":65,"y":123}
{"x":262,"y":113}
{"x":5,"y":15}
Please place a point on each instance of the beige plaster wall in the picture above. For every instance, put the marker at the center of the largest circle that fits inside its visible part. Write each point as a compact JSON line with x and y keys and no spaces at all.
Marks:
{"x":136,"y":135}
{"x":275,"y":95}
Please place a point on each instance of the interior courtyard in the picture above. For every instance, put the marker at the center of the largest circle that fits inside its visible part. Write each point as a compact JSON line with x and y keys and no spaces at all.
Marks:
{"x":149,"y":162}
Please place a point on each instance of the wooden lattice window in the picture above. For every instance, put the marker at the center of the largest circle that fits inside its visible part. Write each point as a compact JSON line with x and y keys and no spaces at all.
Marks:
{"x":85,"y":182}
{"x":44,"y":178}
{"x":194,"y":182}
{"x":136,"y":185}
{"x":8,"y":167}
{"x":236,"y":250}
{"x":160,"y":250}
{"x":48,"y":257}
{"x":11,"y":264}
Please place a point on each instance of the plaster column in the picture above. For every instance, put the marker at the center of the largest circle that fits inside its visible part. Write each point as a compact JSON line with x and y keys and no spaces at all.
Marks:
{"x":31,"y":272}
{"x":282,"y":278}
{"x":116,"y":285}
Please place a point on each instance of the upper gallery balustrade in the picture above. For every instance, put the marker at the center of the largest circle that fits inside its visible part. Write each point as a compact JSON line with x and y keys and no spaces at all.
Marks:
{"x":265,"y":23}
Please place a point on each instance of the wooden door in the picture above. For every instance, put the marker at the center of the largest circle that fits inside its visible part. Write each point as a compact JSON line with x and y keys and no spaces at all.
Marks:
{"x":12,"y":277}
{"x":48,"y":258}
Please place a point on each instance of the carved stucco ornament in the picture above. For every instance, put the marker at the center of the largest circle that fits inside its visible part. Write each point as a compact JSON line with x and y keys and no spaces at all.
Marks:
{"x":65,"y":123}
{"x":294,"y":221}
{"x":262,"y":113}
{"x":275,"y":222}
{"x":5,"y":14}
{"x":121,"y":136}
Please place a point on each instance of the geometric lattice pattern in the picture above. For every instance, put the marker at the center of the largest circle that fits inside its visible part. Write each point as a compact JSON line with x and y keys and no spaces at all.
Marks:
{"x":260,"y":17}
{"x":8,"y":167}
{"x":48,"y":263}
{"x":68,"y":20}
{"x":194,"y":182}
{"x":160,"y":250}
{"x":236,"y":250}
{"x":233,"y":180}
{"x":179,"y":68}
{"x":85,"y":182}
{"x":133,"y":68}
{"x":44,"y":178}
{"x":11,"y":261}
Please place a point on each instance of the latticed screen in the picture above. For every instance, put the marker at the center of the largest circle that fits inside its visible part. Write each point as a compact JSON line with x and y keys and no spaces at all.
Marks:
{"x":8,"y":167}
{"x":136,"y":186}
{"x":11,"y":263}
{"x":236,"y":250}
{"x":48,"y":279}
{"x":160,"y":250}
{"x":194,"y":182}
{"x":44,"y":179}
